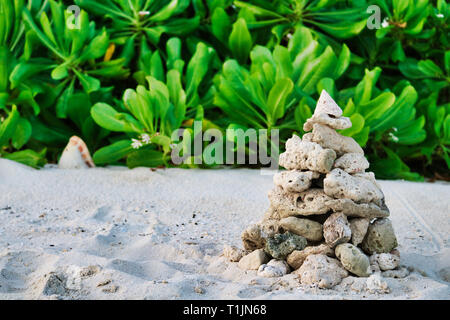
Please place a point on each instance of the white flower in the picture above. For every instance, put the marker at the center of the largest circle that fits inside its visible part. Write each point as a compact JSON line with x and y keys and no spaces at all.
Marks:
{"x":393,"y":137}
{"x":440,"y":15}
{"x":144,"y":13}
{"x":145,"y":138}
{"x":136,"y":144}
{"x":385,"y":23}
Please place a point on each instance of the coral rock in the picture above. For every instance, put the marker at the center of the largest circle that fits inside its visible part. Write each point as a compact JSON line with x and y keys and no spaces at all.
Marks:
{"x":253,"y":260}
{"x":315,"y":202}
{"x":326,"y":105}
{"x":275,"y":268}
{"x":309,"y":229}
{"x":232,"y":253}
{"x":352,"y":163}
{"x":362,"y":210}
{"x":385,"y":261}
{"x":399,"y":273}
{"x":310,"y":202}
{"x":353,"y":259}
{"x":325,"y":119}
{"x":375,"y":284}
{"x":359,"y":228}
{"x":304,"y":155}
{"x":254,"y":237}
{"x":328,"y":138}
{"x":295,"y":181}
{"x":297,"y":257}
{"x":336,"y":229}
{"x":283,"y":244}
{"x":380,"y":237}
{"x":340,"y":184}
{"x":320,"y":270}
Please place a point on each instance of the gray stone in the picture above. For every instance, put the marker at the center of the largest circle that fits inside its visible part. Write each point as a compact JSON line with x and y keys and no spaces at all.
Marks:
{"x":297,"y":257}
{"x":336,"y":229}
{"x":339,"y":184}
{"x":320,"y":270}
{"x":304,"y":155}
{"x":253,"y":260}
{"x":359,"y":229}
{"x":353,"y":259}
{"x":352,"y":163}
{"x":283,"y":244}
{"x":309,"y":229}
{"x":380,"y":237}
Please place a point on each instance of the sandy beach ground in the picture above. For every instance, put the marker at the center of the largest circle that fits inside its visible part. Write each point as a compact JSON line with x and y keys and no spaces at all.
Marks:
{"x":114,"y":233}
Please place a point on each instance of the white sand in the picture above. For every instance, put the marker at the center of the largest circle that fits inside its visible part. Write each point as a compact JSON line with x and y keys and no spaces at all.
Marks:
{"x":132,"y":234}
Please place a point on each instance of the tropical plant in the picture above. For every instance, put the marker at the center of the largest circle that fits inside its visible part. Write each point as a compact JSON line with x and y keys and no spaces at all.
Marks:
{"x":272,"y":93}
{"x":15,"y":129}
{"x":174,"y":99}
{"x":233,"y":65}
{"x":325,"y":18}
{"x":74,"y":54}
{"x":135,"y":23}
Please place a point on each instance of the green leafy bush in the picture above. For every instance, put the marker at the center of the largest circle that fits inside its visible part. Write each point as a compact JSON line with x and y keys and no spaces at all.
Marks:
{"x":230,"y":64}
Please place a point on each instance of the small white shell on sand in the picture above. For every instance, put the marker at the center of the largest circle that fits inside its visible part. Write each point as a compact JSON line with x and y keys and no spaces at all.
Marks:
{"x":76,"y":155}
{"x":327,"y":105}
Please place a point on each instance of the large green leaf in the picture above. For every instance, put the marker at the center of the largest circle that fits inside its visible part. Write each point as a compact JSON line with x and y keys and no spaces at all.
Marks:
{"x":240,"y":41}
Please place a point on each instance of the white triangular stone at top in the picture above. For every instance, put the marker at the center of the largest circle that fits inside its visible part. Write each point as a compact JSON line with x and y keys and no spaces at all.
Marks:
{"x":327,"y":105}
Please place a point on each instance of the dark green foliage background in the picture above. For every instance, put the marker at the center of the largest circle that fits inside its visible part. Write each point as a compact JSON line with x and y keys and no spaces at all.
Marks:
{"x":149,"y":67}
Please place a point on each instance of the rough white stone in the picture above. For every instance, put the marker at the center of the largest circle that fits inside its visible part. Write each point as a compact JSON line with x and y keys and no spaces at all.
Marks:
{"x":295,"y":181}
{"x":274,"y":268}
{"x":376,"y":284}
{"x":314,"y":201}
{"x":304,"y":155}
{"x":327,"y":105}
{"x":325,"y":119}
{"x":328,"y":138}
{"x":233,"y":253}
{"x":297,"y":257}
{"x":385,"y":261}
{"x":320,"y":270}
{"x":340,"y":184}
{"x":352,"y":163}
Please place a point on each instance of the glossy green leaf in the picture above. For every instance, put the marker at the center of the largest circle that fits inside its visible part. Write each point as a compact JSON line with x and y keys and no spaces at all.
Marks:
{"x":240,"y":41}
{"x":113,"y":152}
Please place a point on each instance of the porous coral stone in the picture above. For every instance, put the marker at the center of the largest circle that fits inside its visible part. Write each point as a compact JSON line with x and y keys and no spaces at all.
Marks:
{"x":380,"y":237}
{"x":283,"y":244}
{"x":336,"y":229}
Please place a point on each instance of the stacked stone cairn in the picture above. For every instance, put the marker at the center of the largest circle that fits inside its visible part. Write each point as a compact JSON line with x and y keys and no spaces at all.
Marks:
{"x":327,"y":217}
